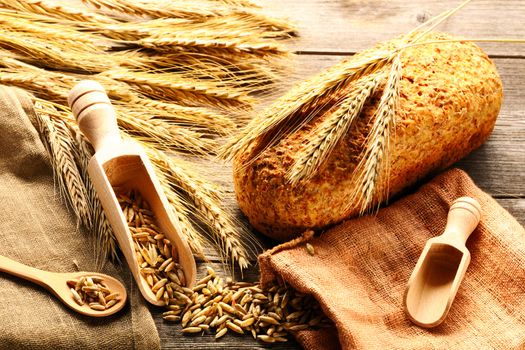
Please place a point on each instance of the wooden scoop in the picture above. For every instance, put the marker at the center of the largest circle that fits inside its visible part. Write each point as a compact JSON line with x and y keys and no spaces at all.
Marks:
{"x":441,"y":267}
{"x":124,"y":165}
{"x":57,"y":284}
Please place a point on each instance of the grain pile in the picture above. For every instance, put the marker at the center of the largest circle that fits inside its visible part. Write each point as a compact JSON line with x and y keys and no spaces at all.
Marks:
{"x":93,"y":291}
{"x":214,"y":304}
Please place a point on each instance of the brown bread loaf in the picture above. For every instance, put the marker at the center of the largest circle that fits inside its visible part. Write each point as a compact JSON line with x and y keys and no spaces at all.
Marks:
{"x":450,"y":96}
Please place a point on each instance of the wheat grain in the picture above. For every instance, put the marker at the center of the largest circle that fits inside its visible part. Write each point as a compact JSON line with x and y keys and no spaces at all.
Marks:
{"x":243,"y":307}
{"x":310,"y":249}
{"x":94,"y":292}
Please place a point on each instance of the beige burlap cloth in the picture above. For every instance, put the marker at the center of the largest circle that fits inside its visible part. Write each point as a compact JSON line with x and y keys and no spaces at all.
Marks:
{"x":361,"y":267}
{"x":36,"y":229}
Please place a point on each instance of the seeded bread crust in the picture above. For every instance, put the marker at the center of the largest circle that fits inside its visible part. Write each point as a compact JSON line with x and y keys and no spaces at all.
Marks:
{"x":450,"y":97}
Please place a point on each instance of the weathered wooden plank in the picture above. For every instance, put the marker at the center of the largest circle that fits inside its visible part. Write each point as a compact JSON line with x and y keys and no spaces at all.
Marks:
{"x":350,"y":25}
{"x":515,"y":206}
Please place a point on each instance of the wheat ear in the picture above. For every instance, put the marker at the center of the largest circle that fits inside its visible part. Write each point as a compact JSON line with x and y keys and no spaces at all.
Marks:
{"x":177,"y":87}
{"x":154,"y":9}
{"x":323,"y":138}
{"x":374,"y":161}
{"x":194,"y":117}
{"x":302,"y":102}
{"x":163,"y":134}
{"x":226,"y":231}
{"x":59,"y":143}
{"x":105,"y":243}
{"x":47,"y":8}
{"x":48,"y":31}
{"x":181,"y":211}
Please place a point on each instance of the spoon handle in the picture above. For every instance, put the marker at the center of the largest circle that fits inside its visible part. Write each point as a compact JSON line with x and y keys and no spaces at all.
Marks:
{"x":95,"y":115}
{"x":463,"y":218}
{"x":23,"y":271}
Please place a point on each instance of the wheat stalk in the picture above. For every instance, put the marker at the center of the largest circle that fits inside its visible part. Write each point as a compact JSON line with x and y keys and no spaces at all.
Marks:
{"x":226,"y":231}
{"x":50,"y":9}
{"x":239,"y":3}
{"x":105,"y":243}
{"x":60,"y":55}
{"x":47,"y":31}
{"x":155,"y":9}
{"x":164,"y":135}
{"x":195,"y":117}
{"x":181,"y":211}
{"x":177,"y":87}
{"x":58,"y":142}
{"x":302,"y":103}
{"x":323,"y":138}
{"x":197,"y":40}
{"x":375,"y":161}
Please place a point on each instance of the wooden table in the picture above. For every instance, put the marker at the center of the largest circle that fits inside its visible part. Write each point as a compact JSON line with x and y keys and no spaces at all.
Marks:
{"x":332,"y":29}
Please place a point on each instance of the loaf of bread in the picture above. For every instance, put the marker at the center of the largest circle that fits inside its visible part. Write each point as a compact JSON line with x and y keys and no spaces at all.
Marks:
{"x":449,"y":98}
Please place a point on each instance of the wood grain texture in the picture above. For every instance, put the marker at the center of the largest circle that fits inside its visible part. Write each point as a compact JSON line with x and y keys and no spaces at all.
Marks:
{"x":331,"y":29}
{"x":344,"y":26}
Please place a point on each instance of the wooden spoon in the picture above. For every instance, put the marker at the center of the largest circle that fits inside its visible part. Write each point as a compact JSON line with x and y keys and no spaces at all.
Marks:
{"x":124,"y":165}
{"x":441,"y":267}
{"x":56,"y":283}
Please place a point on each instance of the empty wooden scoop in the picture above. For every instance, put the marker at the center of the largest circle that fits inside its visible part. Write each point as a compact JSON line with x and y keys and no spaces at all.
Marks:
{"x":124,"y":165}
{"x":56,"y":283}
{"x":441,"y":267}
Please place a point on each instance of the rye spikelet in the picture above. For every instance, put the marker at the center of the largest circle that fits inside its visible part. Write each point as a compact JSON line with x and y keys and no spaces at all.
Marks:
{"x":49,"y":8}
{"x":200,"y":118}
{"x":325,"y":136}
{"x":59,"y":143}
{"x":154,"y":9}
{"x":105,"y":244}
{"x":301,"y":104}
{"x":374,"y":161}
{"x":226,"y":232}
{"x":164,"y":135}
{"x":61,"y":55}
{"x":181,"y":211}
{"x":181,"y":88}
{"x":48,"y":31}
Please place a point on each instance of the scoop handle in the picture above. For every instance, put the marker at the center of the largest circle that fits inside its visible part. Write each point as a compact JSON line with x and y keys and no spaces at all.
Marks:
{"x":94,"y":113}
{"x":463,"y":218}
{"x":23,"y":271}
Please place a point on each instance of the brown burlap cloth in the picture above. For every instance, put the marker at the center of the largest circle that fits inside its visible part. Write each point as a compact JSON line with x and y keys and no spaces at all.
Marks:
{"x":361,"y":267}
{"x":36,"y":229}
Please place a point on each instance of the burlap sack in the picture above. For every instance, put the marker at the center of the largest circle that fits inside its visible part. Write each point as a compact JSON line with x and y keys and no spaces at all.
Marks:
{"x":37,"y":230}
{"x":361,"y":268}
